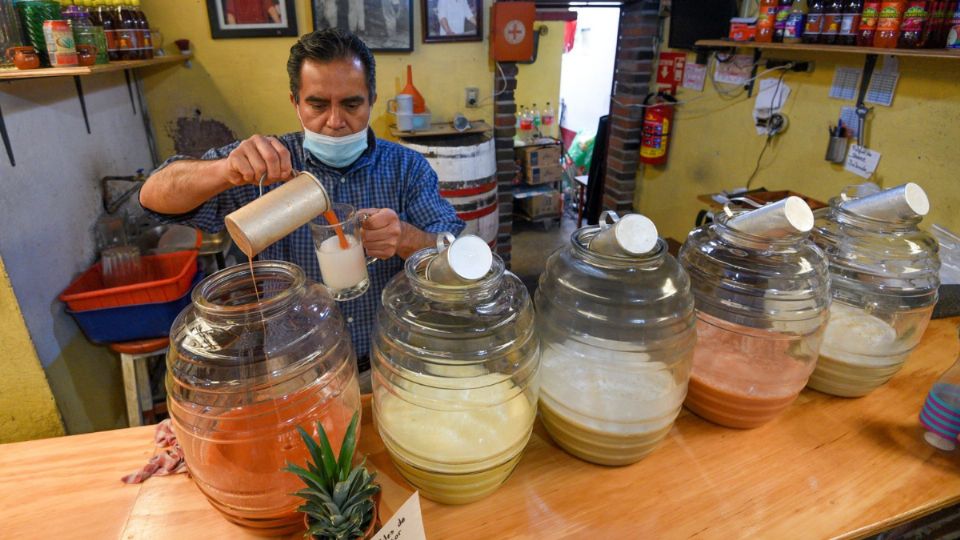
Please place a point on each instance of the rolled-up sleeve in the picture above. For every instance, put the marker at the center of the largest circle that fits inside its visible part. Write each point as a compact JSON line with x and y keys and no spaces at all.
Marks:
{"x":208,"y":217}
{"x":424,"y":207}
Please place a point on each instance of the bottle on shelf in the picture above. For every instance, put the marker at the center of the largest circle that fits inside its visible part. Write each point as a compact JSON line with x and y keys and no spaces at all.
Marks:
{"x":868,"y":23}
{"x":537,"y":120}
{"x":915,"y":20}
{"x":940,"y":415}
{"x":131,"y":30}
{"x":888,"y":24}
{"x":84,"y":31}
{"x":832,"y":20}
{"x":938,"y":18}
{"x":146,"y":38}
{"x":852,"y":12}
{"x":793,"y":31}
{"x":952,"y":33}
{"x":547,"y":118}
{"x":766,"y":20}
{"x":107,"y":17}
{"x":814,"y":25}
{"x":780,"y":26}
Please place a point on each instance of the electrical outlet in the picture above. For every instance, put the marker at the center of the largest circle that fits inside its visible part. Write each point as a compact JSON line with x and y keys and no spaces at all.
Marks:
{"x":472,"y":96}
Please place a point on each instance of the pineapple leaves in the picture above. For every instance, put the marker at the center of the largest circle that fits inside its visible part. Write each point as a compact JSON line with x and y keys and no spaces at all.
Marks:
{"x":338,"y":498}
{"x":347,"y":448}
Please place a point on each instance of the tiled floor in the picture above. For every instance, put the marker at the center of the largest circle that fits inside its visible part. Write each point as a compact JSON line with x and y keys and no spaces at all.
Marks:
{"x":533,"y":244}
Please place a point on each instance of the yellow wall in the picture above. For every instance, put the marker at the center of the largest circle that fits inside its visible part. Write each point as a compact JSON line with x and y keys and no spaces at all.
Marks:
{"x":29,"y":411}
{"x":539,"y":82}
{"x":243,"y":82}
{"x":715,"y":145}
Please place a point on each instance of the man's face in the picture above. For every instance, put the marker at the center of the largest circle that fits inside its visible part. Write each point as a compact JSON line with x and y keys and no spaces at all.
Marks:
{"x":334,"y":99}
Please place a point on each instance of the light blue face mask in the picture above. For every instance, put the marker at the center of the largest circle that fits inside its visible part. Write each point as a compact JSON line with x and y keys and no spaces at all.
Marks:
{"x":337,"y":152}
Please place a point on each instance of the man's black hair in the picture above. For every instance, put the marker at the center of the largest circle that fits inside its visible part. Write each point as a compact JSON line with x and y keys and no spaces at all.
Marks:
{"x":327,"y":45}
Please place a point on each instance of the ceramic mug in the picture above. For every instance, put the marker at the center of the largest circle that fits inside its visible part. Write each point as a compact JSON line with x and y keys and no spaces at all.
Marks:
{"x":87,"y":55}
{"x":24,"y":57}
{"x":403,"y":104}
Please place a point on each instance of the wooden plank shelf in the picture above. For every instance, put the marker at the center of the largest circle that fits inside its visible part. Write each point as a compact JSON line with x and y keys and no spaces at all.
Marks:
{"x":441,"y":129}
{"x":803,"y":47}
{"x":14,"y":73}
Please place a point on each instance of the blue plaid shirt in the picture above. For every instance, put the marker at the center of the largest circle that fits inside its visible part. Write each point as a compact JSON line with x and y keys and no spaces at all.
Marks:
{"x":386,"y":175}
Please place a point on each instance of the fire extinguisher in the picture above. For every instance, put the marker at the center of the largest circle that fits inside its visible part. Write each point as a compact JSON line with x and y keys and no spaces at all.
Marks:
{"x":657,"y":120}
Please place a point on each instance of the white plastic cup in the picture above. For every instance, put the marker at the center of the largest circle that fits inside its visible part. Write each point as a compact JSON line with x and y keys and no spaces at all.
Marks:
{"x":908,"y":201}
{"x":785,"y":217}
{"x":631,"y":235}
{"x":459,"y":261}
{"x":277,"y":214}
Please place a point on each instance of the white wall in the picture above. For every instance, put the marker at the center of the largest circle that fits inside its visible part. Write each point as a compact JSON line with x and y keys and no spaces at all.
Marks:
{"x":50,"y":200}
{"x":586,"y":74}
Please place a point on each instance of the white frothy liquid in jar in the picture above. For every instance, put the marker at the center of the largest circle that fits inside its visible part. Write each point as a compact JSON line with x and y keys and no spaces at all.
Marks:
{"x":342,"y":268}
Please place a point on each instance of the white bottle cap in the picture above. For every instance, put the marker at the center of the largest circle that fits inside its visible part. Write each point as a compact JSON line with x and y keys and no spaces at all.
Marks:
{"x":783,"y":218}
{"x":470,"y":257}
{"x":636,"y":234}
{"x":908,"y":201}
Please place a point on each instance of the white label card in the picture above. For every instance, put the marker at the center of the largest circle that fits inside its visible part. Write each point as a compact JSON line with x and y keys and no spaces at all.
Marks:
{"x":862,"y":161}
{"x":406,"y":523}
{"x":694,"y":76}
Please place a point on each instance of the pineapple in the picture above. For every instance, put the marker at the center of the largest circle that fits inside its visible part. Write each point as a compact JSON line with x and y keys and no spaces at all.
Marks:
{"x":338,"y":497}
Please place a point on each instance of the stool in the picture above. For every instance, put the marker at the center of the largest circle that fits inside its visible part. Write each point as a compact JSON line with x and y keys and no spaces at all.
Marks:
{"x":136,"y":377}
{"x":582,"y":182}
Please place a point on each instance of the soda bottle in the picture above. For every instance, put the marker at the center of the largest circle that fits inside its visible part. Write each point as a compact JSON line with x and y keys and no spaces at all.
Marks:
{"x":952,"y":34}
{"x":852,"y":11}
{"x":936,"y":35}
{"x":146,"y":39}
{"x":130,"y":31}
{"x":766,"y":20}
{"x":814,"y":26}
{"x":107,"y":18}
{"x":868,"y":24}
{"x":888,"y":24}
{"x":940,"y":415}
{"x":780,"y":26}
{"x":547,"y":118}
{"x":915,"y":19}
{"x":796,"y":21}
{"x":832,"y":20}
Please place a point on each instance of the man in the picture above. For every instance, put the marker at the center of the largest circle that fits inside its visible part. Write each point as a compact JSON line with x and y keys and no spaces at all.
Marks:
{"x":452,"y":16}
{"x":332,"y":88}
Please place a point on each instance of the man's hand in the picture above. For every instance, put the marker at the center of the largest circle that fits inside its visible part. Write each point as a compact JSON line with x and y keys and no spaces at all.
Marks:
{"x":381,"y":232}
{"x":254,"y":157}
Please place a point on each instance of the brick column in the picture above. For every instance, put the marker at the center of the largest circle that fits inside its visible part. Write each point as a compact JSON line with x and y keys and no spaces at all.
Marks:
{"x":634,"y":67}
{"x":504,"y":122}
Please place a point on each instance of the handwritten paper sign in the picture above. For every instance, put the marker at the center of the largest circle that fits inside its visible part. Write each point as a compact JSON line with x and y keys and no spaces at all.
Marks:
{"x":862,"y":161}
{"x":406,"y":524}
{"x":694,"y":76}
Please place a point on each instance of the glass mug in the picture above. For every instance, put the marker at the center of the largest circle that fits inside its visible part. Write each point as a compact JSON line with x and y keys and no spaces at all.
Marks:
{"x":342,"y":270}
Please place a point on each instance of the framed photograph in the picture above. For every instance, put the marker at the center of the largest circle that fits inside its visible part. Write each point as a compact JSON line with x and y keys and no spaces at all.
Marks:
{"x":252,"y":18}
{"x":384,"y":25}
{"x":452,"y":20}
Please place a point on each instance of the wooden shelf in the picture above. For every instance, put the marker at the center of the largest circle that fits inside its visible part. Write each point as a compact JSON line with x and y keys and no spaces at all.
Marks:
{"x":441,"y":129}
{"x":14,"y":73}
{"x":803,"y":47}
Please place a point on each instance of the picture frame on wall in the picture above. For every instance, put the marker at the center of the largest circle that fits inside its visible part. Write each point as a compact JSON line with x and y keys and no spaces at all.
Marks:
{"x":452,"y":20}
{"x":384,"y":25}
{"x":252,"y":18}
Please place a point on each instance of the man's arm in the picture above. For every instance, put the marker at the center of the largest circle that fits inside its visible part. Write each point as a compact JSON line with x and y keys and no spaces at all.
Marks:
{"x":384,"y":235}
{"x":184,"y":185}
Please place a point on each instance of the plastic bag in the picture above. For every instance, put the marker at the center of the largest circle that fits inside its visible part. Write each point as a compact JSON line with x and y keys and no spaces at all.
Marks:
{"x":581,"y":149}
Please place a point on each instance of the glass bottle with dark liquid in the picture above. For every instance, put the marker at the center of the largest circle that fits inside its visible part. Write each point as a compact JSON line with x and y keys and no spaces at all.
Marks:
{"x":130,"y":34}
{"x":852,"y":11}
{"x":832,"y":20}
{"x":811,"y":33}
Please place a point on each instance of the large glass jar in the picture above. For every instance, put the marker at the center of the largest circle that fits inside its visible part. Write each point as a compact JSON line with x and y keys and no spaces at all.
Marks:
{"x":617,"y":336}
{"x":247,"y":365}
{"x":762,"y":304}
{"x":884,"y":278}
{"x":455,"y":379}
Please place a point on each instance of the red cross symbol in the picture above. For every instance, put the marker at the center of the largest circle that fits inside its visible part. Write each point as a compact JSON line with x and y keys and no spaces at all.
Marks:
{"x":514,"y":32}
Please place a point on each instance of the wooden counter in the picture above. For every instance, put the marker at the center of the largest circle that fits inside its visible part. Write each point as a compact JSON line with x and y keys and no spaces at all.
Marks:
{"x":827,"y":467}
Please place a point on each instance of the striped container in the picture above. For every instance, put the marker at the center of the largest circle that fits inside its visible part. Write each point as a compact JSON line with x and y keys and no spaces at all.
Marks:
{"x":32,"y":13}
{"x":467,"y":169}
{"x":941,"y":416}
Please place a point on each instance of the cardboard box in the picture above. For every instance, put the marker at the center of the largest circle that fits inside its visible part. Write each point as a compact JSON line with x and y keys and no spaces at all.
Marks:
{"x":543,"y":175}
{"x":743,"y":29}
{"x":540,"y":205}
{"x":534,"y":157}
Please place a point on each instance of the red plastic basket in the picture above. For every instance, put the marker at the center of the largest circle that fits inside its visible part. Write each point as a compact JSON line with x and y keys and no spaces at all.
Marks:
{"x":170,"y":277}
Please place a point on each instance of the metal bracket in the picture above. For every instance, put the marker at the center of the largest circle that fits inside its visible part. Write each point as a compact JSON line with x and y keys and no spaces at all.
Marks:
{"x":83,"y":103}
{"x":6,"y":141}
{"x":126,"y":75}
{"x":869,"y":64}
{"x":753,"y":72}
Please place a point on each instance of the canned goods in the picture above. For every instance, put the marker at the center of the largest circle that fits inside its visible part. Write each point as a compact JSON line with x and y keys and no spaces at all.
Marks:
{"x":60,"y":44}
